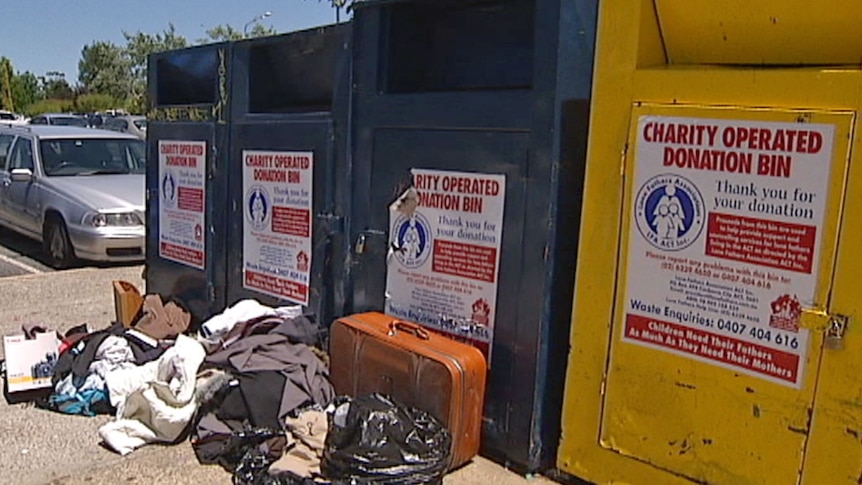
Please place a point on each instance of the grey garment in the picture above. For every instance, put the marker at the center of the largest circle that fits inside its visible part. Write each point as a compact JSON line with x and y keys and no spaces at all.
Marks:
{"x":306,"y":377}
{"x":299,"y":330}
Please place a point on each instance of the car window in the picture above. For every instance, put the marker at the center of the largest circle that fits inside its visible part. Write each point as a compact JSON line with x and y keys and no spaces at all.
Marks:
{"x":22,"y":155}
{"x":5,"y":143}
{"x":92,"y":156}
{"x":39,"y":120}
{"x":7,"y":116}
{"x":69,"y":121}
{"x":141,"y":124}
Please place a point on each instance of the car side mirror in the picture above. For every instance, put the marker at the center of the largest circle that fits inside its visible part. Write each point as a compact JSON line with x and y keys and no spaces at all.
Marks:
{"x":22,"y":174}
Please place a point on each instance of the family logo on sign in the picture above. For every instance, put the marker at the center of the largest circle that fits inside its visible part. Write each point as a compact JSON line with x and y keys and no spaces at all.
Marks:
{"x":786,"y":311}
{"x":412,"y":240}
{"x":302,"y":261}
{"x":169,"y":190}
{"x":258,"y":207}
{"x":669,"y":212}
{"x":481,"y":312}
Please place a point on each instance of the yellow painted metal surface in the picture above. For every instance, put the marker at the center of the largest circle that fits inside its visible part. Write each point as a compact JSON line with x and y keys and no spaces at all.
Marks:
{"x":761,"y":32}
{"x":698,"y":420}
{"x":640,"y":416}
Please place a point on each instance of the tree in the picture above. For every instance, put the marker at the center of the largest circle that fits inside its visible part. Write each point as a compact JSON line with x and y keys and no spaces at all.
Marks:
{"x":25,"y":90}
{"x":222,"y":33}
{"x":17,"y":90}
{"x":55,"y":86}
{"x":50,"y":106}
{"x":104,"y":69}
{"x":138,"y":48}
{"x":88,"y":103}
{"x":6,"y":100}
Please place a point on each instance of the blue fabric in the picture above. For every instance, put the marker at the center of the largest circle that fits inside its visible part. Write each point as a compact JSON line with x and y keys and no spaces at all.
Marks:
{"x":85,"y":403}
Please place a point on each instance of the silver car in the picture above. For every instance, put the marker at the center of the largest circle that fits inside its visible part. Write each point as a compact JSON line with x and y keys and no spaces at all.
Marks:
{"x":79,"y":191}
{"x":132,"y":124}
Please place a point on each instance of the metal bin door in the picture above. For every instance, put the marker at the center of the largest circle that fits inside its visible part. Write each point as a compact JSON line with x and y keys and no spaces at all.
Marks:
{"x":266,"y":260}
{"x":722,"y":313}
{"x":183,"y":260}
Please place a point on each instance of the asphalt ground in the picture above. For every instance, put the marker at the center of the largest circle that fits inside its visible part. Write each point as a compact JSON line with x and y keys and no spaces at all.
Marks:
{"x":43,"y":447}
{"x":20,"y":255}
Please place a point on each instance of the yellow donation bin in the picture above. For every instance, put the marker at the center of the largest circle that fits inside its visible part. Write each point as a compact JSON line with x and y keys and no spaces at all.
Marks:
{"x":724,"y":187}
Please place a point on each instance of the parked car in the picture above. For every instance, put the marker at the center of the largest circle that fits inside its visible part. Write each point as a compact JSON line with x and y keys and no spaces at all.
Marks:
{"x":8,"y":117}
{"x":132,"y":124}
{"x":79,"y":191}
{"x":95,"y":120}
{"x":62,"y":119}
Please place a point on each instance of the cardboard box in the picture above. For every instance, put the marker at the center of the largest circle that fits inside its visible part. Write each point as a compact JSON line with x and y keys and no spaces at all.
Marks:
{"x":127,"y":302}
{"x":30,"y":363}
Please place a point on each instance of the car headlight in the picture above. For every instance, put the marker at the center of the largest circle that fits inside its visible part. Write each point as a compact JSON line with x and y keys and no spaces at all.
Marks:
{"x":121,"y":219}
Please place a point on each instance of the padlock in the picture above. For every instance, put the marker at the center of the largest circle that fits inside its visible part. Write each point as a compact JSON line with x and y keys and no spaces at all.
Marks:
{"x":834,"y":338}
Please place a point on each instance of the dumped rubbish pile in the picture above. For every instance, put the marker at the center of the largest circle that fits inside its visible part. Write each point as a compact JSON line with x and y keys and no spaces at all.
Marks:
{"x":248,"y":389}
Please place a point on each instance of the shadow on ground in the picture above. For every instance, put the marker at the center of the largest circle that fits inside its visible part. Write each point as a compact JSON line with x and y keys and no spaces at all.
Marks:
{"x":32,"y":250}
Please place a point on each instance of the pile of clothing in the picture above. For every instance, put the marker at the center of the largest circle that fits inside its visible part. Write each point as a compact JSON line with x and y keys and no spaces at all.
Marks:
{"x":86,"y":376}
{"x":251,"y":390}
{"x":262,"y":390}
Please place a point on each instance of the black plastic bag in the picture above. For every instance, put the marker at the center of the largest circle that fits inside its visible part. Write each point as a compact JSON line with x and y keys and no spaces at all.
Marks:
{"x":229,"y":450}
{"x":253,"y":469}
{"x":374,"y":439}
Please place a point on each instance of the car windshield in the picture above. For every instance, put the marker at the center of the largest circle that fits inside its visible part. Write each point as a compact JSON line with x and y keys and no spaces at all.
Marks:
{"x":69,"y":121}
{"x":141,"y":124}
{"x":92,"y":156}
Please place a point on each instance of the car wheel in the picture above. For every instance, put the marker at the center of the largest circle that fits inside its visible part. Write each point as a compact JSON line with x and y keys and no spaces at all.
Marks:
{"x":55,"y":240}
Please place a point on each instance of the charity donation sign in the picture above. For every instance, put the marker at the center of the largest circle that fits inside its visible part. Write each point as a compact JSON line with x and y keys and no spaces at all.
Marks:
{"x":445,"y":236}
{"x":277,"y":225}
{"x":182,"y":199}
{"x":725,"y":228}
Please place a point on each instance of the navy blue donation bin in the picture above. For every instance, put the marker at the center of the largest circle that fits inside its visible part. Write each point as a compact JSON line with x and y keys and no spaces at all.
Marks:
{"x":469,"y":128}
{"x":288,"y":119}
{"x":187,"y":139}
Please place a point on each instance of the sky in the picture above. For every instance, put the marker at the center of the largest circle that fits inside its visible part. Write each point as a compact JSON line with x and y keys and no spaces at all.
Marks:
{"x":47,"y":35}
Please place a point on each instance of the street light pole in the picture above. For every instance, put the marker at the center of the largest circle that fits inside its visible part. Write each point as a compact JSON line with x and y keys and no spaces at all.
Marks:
{"x":256,"y":19}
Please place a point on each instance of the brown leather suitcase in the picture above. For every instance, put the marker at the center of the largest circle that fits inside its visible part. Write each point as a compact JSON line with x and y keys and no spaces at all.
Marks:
{"x":373,"y":352}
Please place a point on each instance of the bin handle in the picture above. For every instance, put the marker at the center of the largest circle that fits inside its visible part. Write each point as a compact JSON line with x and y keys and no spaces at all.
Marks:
{"x":408,"y":327}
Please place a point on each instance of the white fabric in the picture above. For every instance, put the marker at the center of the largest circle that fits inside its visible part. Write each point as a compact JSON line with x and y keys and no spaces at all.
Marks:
{"x":154,"y":401}
{"x":114,"y":353}
{"x":243,"y":311}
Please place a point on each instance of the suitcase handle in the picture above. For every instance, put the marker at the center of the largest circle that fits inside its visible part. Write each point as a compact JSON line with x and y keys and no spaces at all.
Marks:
{"x":408,"y":327}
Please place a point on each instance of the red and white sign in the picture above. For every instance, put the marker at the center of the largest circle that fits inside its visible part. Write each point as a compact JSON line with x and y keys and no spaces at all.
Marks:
{"x":182,"y":200}
{"x":445,"y":254}
{"x":725,"y":238}
{"x":277,"y":227}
